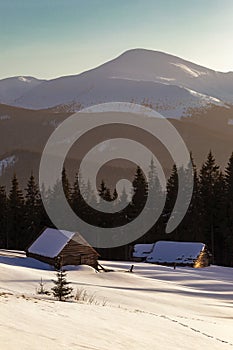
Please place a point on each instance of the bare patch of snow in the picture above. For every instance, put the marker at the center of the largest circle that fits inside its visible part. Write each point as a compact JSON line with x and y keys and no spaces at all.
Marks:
{"x":192,"y":72}
{"x":5,"y":117}
{"x":25,"y":80}
{"x":53,"y":122}
{"x":166,"y":79}
{"x":206,"y":98}
{"x":127,"y":78}
{"x":7,"y":162}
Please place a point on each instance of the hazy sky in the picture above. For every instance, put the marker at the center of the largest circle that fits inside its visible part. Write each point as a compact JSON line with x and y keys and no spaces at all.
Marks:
{"x":50,"y":38}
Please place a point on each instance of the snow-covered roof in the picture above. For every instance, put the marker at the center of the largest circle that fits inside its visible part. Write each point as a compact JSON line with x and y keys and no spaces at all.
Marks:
{"x":175,"y":252}
{"x":51,"y":242}
{"x":142,"y":250}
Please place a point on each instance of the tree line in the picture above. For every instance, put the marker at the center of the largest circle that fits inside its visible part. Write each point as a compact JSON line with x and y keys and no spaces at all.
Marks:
{"x":209,"y":218}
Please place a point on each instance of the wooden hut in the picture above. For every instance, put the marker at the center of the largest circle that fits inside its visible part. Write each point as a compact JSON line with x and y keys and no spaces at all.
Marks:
{"x":60,"y":248}
{"x":172,"y":253}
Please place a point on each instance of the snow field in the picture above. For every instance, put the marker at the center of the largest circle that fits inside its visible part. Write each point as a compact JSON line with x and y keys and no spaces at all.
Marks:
{"x":155,"y":307}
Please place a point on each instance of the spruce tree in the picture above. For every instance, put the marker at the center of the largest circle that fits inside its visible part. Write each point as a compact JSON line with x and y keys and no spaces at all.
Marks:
{"x":172,"y":190}
{"x":3,"y":217}
{"x":124,"y":198}
{"x":228,"y":237}
{"x":114,"y":195}
{"x":140,"y":192}
{"x":16,"y":224}
{"x":77,"y":201}
{"x":122,"y":216}
{"x":105,"y":219}
{"x":33,"y":205}
{"x":61,"y":290}
{"x":229,"y":179}
{"x":208,"y":176}
{"x":156,"y":192}
{"x":104,"y":192}
{"x":90,"y":195}
{"x":219,"y":219}
{"x":139,"y":198}
{"x":44,"y":220}
{"x":190,"y":227}
{"x":154,"y":185}
{"x":54,"y":202}
{"x":66,"y":185}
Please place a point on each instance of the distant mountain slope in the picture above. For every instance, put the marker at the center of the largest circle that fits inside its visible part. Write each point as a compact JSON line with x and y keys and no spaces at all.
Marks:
{"x":169,"y":83}
{"x":157,"y":66}
{"x":170,"y":100}
{"x":24,"y":133}
{"x":13,"y":88}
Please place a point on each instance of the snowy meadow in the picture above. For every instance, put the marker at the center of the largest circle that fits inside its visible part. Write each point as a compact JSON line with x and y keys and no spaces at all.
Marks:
{"x":154,"y":307}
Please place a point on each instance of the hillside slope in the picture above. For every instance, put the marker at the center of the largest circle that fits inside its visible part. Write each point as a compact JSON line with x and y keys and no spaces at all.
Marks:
{"x":155,"y":307}
{"x":172,"y":85}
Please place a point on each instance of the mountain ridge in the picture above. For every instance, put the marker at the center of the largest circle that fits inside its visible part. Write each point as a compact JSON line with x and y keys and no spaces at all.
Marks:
{"x":138,"y":75}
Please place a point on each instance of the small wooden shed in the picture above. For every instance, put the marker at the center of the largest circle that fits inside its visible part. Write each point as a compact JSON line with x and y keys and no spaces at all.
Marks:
{"x":171,"y":253}
{"x":60,"y":247}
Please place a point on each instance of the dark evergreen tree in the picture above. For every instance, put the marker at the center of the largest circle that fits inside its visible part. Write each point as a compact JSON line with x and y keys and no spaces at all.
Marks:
{"x":172,"y":190}
{"x":55,"y":203}
{"x":154,"y":203}
{"x":209,"y":217}
{"x":114,"y":195}
{"x":208,"y":176}
{"x":139,"y":199}
{"x":228,"y":237}
{"x":78,"y":203}
{"x":44,"y":220}
{"x":3,"y":217}
{"x":105,"y":219}
{"x":66,"y":185}
{"x":16,"y":217}
{"x":154,"y":186}
{"x":124,"y":198}
{"x":61,"y":290}
{"x":171,"y":195}
{"x":122,"y":215}
{"x":189,"y":228}
{"x":140,"y":191}
{"x":33,"y":205}
{"x":193,"y":214}
{"x":104,"y":192}
{"x":88,"y":202}
{"x":219,"y":219}
{"x":90,"y":195}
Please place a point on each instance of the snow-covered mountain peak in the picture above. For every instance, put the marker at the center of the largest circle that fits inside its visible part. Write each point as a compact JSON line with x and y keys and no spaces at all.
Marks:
{"x":14,"y":87}
{"x":166,"y":82}
{"x":25,"y":80}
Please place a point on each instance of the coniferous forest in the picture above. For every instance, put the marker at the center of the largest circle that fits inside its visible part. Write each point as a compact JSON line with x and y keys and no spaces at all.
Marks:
{"x":209,"y":218}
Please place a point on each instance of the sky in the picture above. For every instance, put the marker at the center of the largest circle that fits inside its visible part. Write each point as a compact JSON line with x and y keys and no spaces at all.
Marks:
{"x":51,"y":38}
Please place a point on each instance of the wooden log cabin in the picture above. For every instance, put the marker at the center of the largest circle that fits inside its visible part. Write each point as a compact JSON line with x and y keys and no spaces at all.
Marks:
{"x":60,"y":248}
{"x":170,"y":253}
